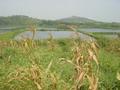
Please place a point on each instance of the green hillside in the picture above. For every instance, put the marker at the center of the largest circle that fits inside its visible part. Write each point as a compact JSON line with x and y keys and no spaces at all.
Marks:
{"x":23,"y":21}
{"x":17,"y":20}
{"x":76,"y":19}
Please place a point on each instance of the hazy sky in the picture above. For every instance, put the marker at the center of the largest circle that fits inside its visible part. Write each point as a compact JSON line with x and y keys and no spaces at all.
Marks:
{"x":102,"y":10}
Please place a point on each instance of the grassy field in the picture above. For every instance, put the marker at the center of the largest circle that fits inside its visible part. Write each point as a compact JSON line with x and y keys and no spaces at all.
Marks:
{"x":9,"y":35}
{"x":52,"y":64}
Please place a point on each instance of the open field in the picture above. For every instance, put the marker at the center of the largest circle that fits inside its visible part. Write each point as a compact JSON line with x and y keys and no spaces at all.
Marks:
{"x":59,"y":44}
{"x":53,"y":64}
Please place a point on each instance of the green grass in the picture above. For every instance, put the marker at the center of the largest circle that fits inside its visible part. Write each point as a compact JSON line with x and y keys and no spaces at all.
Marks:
{"x":14,"y":57}
{"x":10,"y":35}
{"x":109,"y":65}
{"x":42,"y":56}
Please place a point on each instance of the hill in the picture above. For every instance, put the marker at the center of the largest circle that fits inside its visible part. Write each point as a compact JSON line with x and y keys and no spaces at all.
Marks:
{"x":17,"y":20}
{"x":76,"y":19}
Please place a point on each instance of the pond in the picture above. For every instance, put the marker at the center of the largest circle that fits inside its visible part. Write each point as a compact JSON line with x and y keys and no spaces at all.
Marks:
{"x":55,"y":34}
{"x":100,"y":30}
{"x":108,"y":33}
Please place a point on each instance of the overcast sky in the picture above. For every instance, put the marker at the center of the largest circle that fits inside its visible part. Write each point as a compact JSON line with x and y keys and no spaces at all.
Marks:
{"x":102,"y":10}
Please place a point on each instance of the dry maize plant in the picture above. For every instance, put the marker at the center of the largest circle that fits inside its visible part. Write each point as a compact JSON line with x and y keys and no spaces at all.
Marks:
{"x":33,"y":30}
{"x":35,"y":75}
{"x":85,"y":69}
{"x":27,"y":43}
{"x":50,"y":41}
{"x":85,"y":62}
{"x":32,"y":73}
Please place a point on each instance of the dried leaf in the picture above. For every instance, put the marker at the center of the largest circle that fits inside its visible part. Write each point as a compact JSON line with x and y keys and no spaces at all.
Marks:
{"x":38,"y":85}
{"x":95,"y":59}
{"x":49,"y":66}
{"x":118,"y":75}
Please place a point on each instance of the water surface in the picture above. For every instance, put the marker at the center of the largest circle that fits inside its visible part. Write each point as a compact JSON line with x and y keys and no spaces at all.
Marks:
{"x":56,"y":35}
{"x":100,"y":30}
{"x":108,"y":33}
